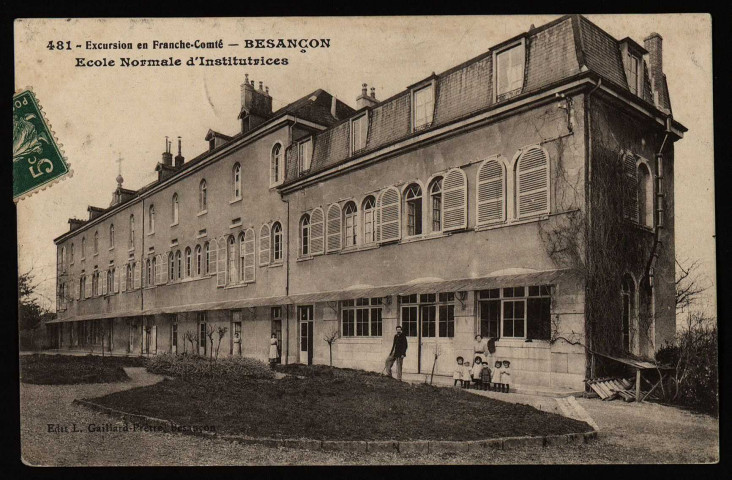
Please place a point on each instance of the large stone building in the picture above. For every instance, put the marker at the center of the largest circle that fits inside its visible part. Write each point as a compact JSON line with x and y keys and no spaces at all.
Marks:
{"x":525,"y":195}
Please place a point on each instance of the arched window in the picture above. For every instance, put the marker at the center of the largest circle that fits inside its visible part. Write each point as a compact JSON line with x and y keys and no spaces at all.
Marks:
{"x":207,"y":258}
{"x":305,"y":235}
{"x":369,"y":226}
{"x":436,"y":204}
{"x":188,"y":262}
{"x":233,"y":263}
{"x":171,"y":266}
{"x":276,"y":242}
{"x":532,"y":183}
{"x":202,"y":197}
{"x":242,"y":251}
{"x":151,"y":219}
{"x":627,"y":293}
{"x":198,"y":260}
{"x":71,"y":254}
{"x":83,"y":247}
{"x":413,"y":199}
{"x":63,"y":257}
{"x":276,"y":164}
{"x":645,"y":196}
{"x":178,"y":265}
{"x":236,"y":180}
{"x":128,"y":278}
{"x":96,"y":242}
{"x":155,"y":272}
{"x":132,"y":231}
{"x":111,"y":235}
{"x":350,"y":219}
{"x":175,"y":209}
{"x":148,"y":272}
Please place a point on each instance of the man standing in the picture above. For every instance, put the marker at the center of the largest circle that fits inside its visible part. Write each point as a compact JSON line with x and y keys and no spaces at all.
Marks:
{"x":397,"y":354}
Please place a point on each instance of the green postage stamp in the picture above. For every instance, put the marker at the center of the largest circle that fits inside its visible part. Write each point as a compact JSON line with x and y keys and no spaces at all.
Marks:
{"x":37,"y":157}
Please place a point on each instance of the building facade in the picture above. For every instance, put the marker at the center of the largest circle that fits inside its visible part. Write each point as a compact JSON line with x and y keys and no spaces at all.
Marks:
{"x":525,"y":195}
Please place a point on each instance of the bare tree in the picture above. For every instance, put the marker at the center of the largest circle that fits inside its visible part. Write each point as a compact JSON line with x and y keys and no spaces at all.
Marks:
{"x":192,"y":338}
{"x":210,"y":331}
{"x":331,"y":338}
{"x":437,"y":354}
{"x":221,"y":331}
{"x":689,"y":284}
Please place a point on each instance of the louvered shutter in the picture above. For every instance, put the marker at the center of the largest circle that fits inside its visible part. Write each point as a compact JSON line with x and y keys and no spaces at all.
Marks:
{"x":333,"y":227}
{"x":455,"y":200}
{"x":264,"y":246}
{"x":532,"y":183}
{"x":156,"y":273}
{"x":123,"y":279}
{"x":221,"y":264}
{"x":88,"y":286}
{"x":249,"y":260}
{"x":104,"y":274}
{"x":115,"y":280}
{"x":242,"y":254}
{"x":390,"y":215}
{"x":630,"y":188}
{"x":490,"y":193}
{"x":213,"y":256}
{"x":317,"y":232}
{"x":137,"y":273}
{"x":164,"y":267}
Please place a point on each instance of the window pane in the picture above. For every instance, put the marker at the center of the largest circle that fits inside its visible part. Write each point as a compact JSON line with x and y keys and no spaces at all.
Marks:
{"x":447,"y":321}
{"x":428,"y":321}
{"x":409,"y":321}
{"x":376,"y":322}
{"x":538,"y":318}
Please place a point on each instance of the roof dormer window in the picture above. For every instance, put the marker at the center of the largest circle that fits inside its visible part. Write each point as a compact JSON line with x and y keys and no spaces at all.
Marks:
{"x":423,"y":107}
{"x":508,"y":71}
{"x":359,"y":132}
{"x":633,"y":73}
{"x":305,"y":154}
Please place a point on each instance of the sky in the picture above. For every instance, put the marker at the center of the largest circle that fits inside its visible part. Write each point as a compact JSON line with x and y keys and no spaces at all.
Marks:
{"x":101,"y":114}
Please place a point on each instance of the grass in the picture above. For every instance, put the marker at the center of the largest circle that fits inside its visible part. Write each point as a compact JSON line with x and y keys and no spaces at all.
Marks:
{"x":66,"y":370}
{"x":335,"y":404}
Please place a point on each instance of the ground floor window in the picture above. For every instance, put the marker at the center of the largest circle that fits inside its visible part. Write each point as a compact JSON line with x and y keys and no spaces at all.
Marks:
{"x":428,"y":315}
{"x":361,"y":317}
{"x":202,"y":332}
{"x":516,"y":312}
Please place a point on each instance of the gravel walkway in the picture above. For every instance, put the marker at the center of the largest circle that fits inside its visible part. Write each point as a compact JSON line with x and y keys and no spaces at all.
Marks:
{"x":645,"y":433}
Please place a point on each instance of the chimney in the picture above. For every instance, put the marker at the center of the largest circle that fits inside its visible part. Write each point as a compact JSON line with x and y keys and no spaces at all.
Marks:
{"x":94,"y":212}
{"x":167,"y":156}
{"x":75,"y":223}
{"x":333,"y":104}
{"x":179,"y":158}
{"x":364,"y":100}
{"x":654,"y":45}
{"x":256,"y":105}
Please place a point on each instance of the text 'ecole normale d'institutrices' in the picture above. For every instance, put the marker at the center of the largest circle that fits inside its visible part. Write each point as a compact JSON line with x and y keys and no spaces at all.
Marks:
{"x":526,"y":195}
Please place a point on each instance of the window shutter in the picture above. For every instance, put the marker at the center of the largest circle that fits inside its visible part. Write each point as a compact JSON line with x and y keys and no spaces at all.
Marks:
{"x":455,"y":200}
{"x":213,"y":248}
{"x":242,"y":251}
{"x":316,"y":232}
{"x":156,"y":272}
{"x":123,"y":279}
{"x":264,"y":246}
{"x":389,"y":215}
{"x":221,"y":264}
{"x":334,"y":228}
{"x":137,"y":273}
{"x":630,"y":178}
{"x":249,"y":273}
{"x":103,"y":277}
{"x":533,"y":183}
{"x":164,"y":263}
{"x":88,"y":286}
{"x":115,"y":281}
{"x":490,"y":193}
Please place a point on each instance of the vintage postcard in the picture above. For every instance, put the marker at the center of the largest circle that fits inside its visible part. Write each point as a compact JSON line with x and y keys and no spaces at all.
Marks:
{"x":366,"y":240}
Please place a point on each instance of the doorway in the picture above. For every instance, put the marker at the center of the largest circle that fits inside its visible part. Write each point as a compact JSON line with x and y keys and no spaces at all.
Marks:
{"x":276,"y":328}
{"x":305,"y":314}
{"x":428,"y":321}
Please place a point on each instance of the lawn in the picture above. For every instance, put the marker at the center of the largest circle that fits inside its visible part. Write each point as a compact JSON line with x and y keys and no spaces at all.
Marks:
{"x":338,"y":404}
{"x":66,"y":369}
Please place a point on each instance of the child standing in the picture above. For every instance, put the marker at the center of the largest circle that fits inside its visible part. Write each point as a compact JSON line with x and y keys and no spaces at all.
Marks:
{"x":466,"y":375}
{"x":497,"y":373}
{"x":476,"y":370}
{"x":457,"y":375}
{"x":506,"y":374}
{"x":485,"y":376}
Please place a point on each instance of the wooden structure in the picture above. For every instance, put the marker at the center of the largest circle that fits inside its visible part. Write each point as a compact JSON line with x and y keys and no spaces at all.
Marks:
{"x":611,"y":388}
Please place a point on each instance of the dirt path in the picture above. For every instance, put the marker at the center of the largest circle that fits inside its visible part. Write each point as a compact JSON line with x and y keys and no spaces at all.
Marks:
{"x":645,"y":433}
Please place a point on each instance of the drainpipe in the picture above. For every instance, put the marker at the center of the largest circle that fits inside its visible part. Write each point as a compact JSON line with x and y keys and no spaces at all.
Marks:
{"x":660,"y":195}
{"x":588,"y":193}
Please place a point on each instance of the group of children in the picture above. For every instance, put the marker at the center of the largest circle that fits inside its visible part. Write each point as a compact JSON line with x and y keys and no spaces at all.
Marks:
{"x":481,"y":376}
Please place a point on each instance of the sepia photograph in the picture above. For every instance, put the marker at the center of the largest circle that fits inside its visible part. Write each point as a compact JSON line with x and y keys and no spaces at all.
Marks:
{"x":406,"y":240}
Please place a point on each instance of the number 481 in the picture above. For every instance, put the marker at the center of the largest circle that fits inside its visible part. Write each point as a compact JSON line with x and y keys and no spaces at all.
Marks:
{"x":59,"y":45}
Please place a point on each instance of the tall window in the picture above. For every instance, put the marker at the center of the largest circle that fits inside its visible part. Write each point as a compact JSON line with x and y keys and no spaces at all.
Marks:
{"x":198,"y":260}
{"x":645,"y":196}
{"x":132,"y":231}
{"x":369,"y":230}
{"x":510,"y":71}
{"x":178,"y":265}
{"x":627,"y":293}
{"x":188,"y":262}
{"x":305,"y":152}
{"x":154,"y":272}
{"x":71,"y":254}
{"x":202,"y":198}
{"x":207,"y":258}
{"x":63,"y":258}
{"x":428,"y":315}
{"x":516,"y":312}
{"x":111,"y":235}
{"x":633,"y":70}
{"x":151,"y":218}
{"x":242,"y":237}
{"x":424,"y":105}
{"x":350,"y":216}
{"x":276,"y":242}
{"x":361,"y":317}
{"x":175,"y":208}
{"x":436,"y":204}
{"x":233,"y":275}
{"x":236,"y":179}
{"x":83,"y":248}
{"x":96,"y":242}
{"x":148,"y":273}
{"x":413,"y":197}
{"x":171,"y":266}
{"x":129,"y":279}
{"x":359,"y":131}
{"x":305,"y":235}
{"x":276,"y":164}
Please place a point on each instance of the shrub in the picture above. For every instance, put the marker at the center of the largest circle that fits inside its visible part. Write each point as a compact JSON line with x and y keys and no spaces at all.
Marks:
{"x":196,"y":366}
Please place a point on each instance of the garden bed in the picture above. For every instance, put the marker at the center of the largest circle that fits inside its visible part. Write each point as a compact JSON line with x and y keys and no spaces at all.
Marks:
{"x":66,"y":369}
{"x":335,"y":404}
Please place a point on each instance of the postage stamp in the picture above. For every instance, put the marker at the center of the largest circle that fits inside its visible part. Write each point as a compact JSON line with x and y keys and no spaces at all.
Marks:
{"x":38,"y":160}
